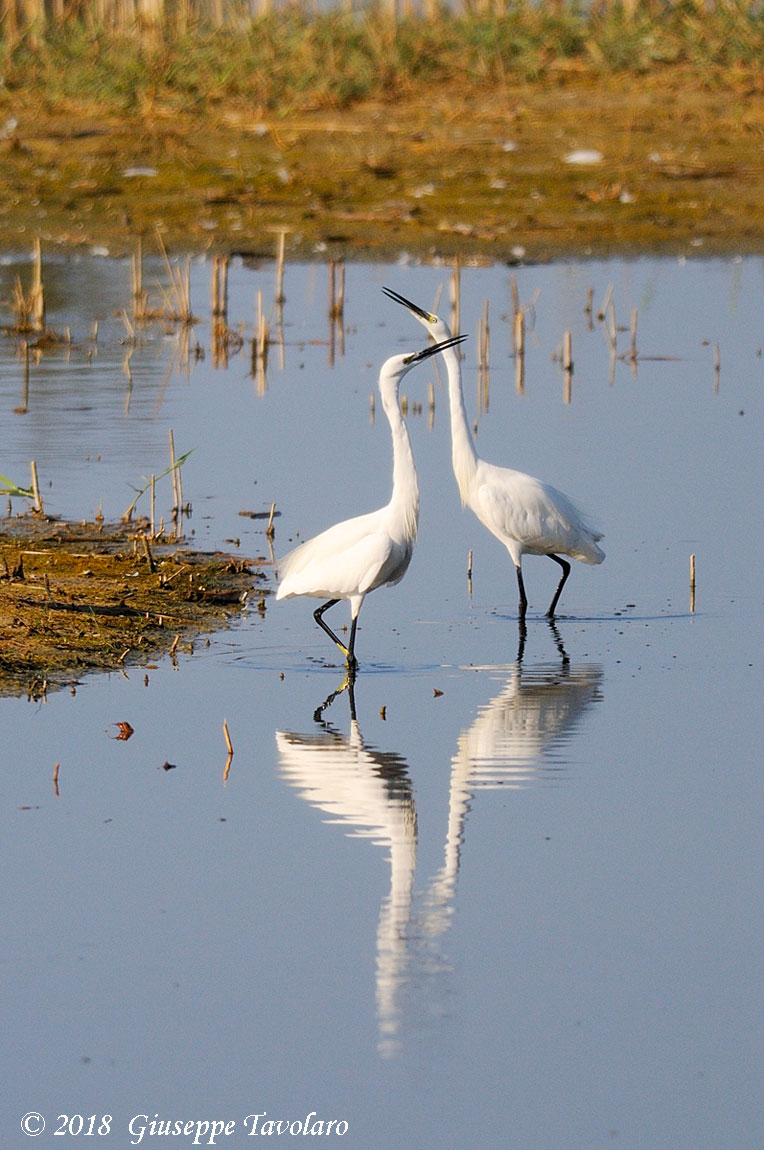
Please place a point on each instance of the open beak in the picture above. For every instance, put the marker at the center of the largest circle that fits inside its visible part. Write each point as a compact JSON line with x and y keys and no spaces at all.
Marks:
{"x":434,"y":348}
{"x":418,"y":311}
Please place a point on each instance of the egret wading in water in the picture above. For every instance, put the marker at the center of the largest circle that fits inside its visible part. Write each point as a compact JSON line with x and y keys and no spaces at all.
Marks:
{"x":369,"y":551}
{"x":528,"y":516}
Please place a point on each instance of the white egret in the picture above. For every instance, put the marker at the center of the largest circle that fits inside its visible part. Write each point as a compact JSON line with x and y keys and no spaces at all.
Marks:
{"x":359,"y":555}
{"x":528,"y":516}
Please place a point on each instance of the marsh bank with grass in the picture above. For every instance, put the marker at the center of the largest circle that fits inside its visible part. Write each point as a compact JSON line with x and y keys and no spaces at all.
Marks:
{"x":548,"y":130}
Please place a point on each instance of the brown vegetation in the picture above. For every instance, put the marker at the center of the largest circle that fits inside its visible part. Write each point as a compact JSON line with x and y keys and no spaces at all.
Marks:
{"x":360,"y":135}
{"x":79,"y":598}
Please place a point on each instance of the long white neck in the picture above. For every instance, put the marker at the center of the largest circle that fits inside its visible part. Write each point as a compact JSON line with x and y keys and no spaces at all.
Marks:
{"x":463,"y":455}
{"x":405,"y":497}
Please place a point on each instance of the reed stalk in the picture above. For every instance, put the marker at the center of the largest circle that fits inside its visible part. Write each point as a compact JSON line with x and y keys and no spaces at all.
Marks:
{"x":37,"y":498}
{"x":567,"y":365}
{"x":38,"y":290}
{"x":519,"y":341}
{"x":280,"y":297}
{"x":139,"y":294}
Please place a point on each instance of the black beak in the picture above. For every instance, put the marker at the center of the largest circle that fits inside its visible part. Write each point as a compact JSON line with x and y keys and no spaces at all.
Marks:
{"x":425,"y":315}
{"x":434,"y":348}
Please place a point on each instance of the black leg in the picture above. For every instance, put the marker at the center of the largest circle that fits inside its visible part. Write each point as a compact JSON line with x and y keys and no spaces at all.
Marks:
{"x":565,"y":572}
{"x":523,"y":605}
{"x":346,"y":651}
{"x":352,"y":661}
{"x":317,"y":615}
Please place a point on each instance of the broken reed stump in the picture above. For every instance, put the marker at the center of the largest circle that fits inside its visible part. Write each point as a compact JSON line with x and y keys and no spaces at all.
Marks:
{"x":454,"y":296}
{"x":280,"y":297}
{"x":567,"y":364}
{"x":38,"y":291}
{"x":139,"y":294}
{"x":259,"y":347}
{"x":38,"y":505}
{"x":519,"y":340}
{"x":336,"y":291}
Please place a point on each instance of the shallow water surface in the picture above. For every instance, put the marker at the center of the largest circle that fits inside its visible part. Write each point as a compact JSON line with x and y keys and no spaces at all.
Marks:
{"x":509,"y":891}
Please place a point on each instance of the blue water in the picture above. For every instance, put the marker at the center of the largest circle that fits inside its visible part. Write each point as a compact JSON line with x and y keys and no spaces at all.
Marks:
{"x":515,"y":901}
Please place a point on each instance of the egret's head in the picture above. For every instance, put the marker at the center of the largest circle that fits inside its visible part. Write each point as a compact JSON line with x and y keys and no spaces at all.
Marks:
{"x":398,"y":365}
{"x":432,"y":349}
{"x":437,"y":327}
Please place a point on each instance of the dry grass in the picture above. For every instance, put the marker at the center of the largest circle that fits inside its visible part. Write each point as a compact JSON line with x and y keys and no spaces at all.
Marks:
{"x":298,"y":59}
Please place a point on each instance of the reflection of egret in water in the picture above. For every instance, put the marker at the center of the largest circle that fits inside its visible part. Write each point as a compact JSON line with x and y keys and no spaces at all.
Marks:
{"x":369,"y":793}
{"x":513,"y":742}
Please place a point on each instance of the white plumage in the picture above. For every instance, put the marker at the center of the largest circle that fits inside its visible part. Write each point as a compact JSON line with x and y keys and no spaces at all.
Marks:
{"x":528,"y":516}
{"x":354,"y":557}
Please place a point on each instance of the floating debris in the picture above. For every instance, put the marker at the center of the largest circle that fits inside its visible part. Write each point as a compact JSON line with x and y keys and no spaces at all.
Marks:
{"x":124,"y":731}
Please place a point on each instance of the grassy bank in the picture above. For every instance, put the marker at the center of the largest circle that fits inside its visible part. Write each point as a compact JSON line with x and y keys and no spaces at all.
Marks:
{"x":358,"y":133}
{"x":77,"y":598}
{"x":293,"y":60}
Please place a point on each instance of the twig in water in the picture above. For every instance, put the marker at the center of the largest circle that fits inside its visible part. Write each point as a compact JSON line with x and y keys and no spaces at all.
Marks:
{"x":520,"y":351}
{"x":260,"y":347}
{"x":140,"y":296}
{"x":180,"y":288}
{"x":567,"y":363}
{"x":336,"y":292}
{"x":177,"y":480}
{"x":633,"y":346}
{"x":484,"y":358}
{"x":515,"y":295}
{"x":605,"y":303}
{"x":229,"y":760}
{"x":280,"y":297}
{"x":455,"y":303}
{"x":38,"y":292}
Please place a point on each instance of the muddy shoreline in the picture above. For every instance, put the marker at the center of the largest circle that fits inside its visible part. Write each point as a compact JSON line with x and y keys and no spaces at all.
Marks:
{"x":627,"y":165}
{"x":78,"y":598}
